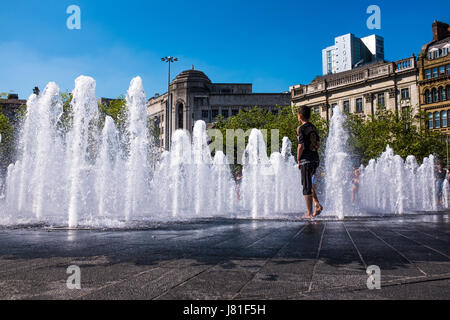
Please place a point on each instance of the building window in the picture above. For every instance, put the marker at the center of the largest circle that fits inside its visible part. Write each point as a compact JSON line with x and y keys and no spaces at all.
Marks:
{"x":234,"y":112}
{"x":448,"y":69}
{"x":435,"y":95}
{"x":442,"y":93}
{"x":448,"y":91}
{"x":435,"y":72}
{"x":405,"y":93}
{"x":347,"y":106}
{"x":225,"y":113}
{"x":316,"y":110}
{"x":380,"y":100}
{"x":214,"y":114}
{"x":359,"y":105}
{"x":405,"y":113}
{"x":205,"y":114}
{"x":444,"y":118}
{"x":428,"y":74}
{"x":430,"y":120}
{"x":436,"y":120}
{"x":427,"y":96}
{"x":441,"y":70}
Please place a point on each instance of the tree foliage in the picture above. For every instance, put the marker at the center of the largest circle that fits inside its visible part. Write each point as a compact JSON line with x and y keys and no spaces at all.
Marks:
{"x":6,"y":143}
{"x":368,"y":137}
{"x":285,"y":121}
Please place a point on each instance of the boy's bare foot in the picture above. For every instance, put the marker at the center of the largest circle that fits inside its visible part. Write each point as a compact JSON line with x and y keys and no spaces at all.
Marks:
{"x":307,"y":216}
{"x":318,"y":210}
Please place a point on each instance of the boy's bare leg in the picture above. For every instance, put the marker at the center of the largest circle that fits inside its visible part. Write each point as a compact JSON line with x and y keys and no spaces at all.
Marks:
{"x":317,"y":205}
{"x":309,"y":202}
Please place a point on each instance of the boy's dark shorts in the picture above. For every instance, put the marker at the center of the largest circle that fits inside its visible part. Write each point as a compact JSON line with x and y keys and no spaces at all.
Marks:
{"x":308,"y":170}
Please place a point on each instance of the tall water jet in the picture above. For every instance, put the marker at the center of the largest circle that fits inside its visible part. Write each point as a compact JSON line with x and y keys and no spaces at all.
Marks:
{"x":338,"y":168}
{"x":179,"y":179}
{"x":27,"y":151}
{"x":256,"y":169}
{"x":224,"y":189}
{"x":84,"y":108}
{"x":47,"y":144}
{"x":107,"y":168}
{"x":137,"y":166}
{"x":444,"y":201}
{"x":202,"y":161}
{"x":287,"y":180}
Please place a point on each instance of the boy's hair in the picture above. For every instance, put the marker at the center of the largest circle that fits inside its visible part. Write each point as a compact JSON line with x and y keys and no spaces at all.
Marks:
{"x":305,"y":112}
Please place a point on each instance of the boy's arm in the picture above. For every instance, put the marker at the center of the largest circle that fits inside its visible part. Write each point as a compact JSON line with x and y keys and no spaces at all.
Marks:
{"x":300,"y":149}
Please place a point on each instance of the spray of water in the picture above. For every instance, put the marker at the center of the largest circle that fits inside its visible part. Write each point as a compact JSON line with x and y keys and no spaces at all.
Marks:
{"x":338,"y":169}
{"x":86,"y":176}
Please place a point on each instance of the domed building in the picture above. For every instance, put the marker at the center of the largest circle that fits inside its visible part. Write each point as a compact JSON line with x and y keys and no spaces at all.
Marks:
{"x":194,"y":97}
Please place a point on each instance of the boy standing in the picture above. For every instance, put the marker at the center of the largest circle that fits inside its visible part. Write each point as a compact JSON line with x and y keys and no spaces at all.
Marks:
{"x":308,"y":158}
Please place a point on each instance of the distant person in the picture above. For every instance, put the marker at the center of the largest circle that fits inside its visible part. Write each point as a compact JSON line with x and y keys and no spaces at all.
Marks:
{"x":308,"y":159}
{"x":238,"y":179}
{"x":355,"y":183}
{"x":441,"y":175}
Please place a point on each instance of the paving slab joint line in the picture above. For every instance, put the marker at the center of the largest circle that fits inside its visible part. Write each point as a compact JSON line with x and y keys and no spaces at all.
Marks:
{"x":195,"y":275}
{"x":431,"y":236}
{"x":397,"y":251}
{"x":355,"y":246}
{"x":423,"y":245}
{"x":267,"y":261}
{"x":384,"y":284}
{"x":317,"y":258}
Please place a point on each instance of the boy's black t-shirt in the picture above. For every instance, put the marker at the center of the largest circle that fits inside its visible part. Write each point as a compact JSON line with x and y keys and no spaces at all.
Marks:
{"x":309,"y":136}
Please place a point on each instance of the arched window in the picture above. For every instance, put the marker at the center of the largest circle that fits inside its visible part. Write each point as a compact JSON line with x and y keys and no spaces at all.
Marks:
{"x":435,"y":95}
{"x":436,"y":120}
{"x":180,"y":116}
{"x":430,"y":120}
{"x":441,"y":94}
{"x":427,"y":96}
{"x":444,"y":118}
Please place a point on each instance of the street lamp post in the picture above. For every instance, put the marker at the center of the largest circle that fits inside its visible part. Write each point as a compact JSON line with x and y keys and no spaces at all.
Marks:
{"x":169,"y":60}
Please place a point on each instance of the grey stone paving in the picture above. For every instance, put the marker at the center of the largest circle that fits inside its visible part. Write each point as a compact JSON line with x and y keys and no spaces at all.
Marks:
{"x":233,"y":259}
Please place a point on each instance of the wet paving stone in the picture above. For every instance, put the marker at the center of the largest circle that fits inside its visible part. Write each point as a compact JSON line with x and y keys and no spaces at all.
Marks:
{"x":240,"y":259}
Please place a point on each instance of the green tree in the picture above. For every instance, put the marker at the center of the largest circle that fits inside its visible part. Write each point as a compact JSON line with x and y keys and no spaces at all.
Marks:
{"x":285,"y":121}
{"x":369,"y":136}
{"x":6,"y":143}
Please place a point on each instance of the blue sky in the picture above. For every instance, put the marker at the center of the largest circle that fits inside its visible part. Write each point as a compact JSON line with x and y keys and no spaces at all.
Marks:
{"x":272,"y":44}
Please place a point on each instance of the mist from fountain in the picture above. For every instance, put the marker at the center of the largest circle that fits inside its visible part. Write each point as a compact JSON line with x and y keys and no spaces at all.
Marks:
{"x":391,"y":185}
{"x":270,"y":187}
{"x":81,"y":171}
{"x":386,"y":185}
{"x":189,"y":183}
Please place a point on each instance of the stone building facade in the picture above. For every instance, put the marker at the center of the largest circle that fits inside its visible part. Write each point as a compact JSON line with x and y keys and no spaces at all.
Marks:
{"x":194,"y":97}
{"x":390,"y":85}
{"x":434,"y":78}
